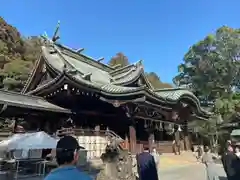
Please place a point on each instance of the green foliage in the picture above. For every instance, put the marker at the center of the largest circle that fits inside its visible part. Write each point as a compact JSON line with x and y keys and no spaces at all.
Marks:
{"x":17,"y":56}
{"x":119,"y":59}
{"x":211,"y":67}
{"x":156,"y":82}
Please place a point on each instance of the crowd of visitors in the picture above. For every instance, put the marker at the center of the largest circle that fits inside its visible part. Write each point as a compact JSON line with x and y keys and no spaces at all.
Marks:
{"x":67,"y":156}
{"x":230,"y":160}
{"x":147,"y":163}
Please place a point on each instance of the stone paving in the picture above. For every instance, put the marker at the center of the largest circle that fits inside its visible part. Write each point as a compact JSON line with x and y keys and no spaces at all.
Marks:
{"x":169,"y":160}
{"x":189,"y":172}
{"x":184,"y":167}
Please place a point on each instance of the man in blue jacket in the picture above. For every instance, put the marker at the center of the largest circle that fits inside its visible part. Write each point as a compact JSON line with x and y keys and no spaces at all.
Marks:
{"x":147,"y":169}
{"x":66,"y":156}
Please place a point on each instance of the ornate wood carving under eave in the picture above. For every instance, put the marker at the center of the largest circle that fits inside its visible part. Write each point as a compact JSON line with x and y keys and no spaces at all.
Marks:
{"x":166,"y":114}
{"x":118,"y":103}
{"x":150,"y":113}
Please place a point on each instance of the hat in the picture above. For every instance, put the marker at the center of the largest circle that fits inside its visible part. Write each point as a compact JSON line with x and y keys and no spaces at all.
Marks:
{"x":67,"y":143}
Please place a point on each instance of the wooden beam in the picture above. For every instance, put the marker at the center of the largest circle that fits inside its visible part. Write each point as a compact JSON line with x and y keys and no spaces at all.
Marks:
{"x":156,"y":120}
{"x":95,"y":113}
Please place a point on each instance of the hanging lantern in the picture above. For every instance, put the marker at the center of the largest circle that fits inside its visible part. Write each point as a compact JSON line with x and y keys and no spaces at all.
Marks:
{"x":166,"y":126}
{"x":145,"y":124}
{"x":179,"y":128}
{"x":151,"y":124}
{"x":169,"y":129}
{"x":65,"y":87}
{"x":174,"y":115}
{"x":160,"y":126}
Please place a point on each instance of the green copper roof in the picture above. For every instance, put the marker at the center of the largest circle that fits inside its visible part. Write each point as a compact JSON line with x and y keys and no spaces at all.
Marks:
{"x":174,"y":93}
{"x":110,"y":81}
{"x":27,"y":101}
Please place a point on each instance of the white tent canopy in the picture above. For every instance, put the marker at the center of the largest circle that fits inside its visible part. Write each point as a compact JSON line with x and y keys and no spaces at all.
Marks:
{"x":38,"y":140}
{"x":11,"y":141}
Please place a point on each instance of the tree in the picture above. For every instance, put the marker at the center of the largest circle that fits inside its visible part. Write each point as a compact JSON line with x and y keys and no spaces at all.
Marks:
{"x":17,"y":56}
{"x":211,"y":66}
{"x":119,"y":59}
{"x":211,"y":69}
{"x":155,"y":81}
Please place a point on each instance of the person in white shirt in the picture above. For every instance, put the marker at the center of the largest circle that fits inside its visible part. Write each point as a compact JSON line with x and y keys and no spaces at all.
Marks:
{"x":156,"y":156}
{"x":237,"y":151}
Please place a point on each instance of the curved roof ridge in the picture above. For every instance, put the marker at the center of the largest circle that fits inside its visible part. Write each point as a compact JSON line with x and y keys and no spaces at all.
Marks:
{"x":46,"y":84}
{"x":94,"y":62}
{"x":171,"y":89}
{"x":176,"y":94}
{"x":66,"y":61}
{"x":33,"y":72}
{"x":133,"y":69}
{"x":125,"y":68}
{"x":128,"y":78}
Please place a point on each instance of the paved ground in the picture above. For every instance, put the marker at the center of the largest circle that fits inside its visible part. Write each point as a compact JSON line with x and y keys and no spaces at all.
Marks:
{"x":167,"y":162}
{"x":189,"y":172}
{"x":184,"y":167}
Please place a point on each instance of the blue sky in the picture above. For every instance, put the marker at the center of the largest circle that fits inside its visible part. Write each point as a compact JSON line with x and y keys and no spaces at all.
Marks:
{"x":157,"y":31}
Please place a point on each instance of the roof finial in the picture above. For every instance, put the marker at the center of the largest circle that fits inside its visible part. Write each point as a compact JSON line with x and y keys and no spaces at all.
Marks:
{"x":44,"y":35}
{"x":79,"y":50}
{"x":55,"y":35}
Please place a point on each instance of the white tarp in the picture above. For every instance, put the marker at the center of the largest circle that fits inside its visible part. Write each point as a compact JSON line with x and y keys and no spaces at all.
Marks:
{"x":38,"y":140}
{"x":10,"y":142}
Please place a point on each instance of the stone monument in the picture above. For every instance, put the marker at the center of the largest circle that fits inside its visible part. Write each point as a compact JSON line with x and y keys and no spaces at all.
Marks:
{"x":118,"y":163}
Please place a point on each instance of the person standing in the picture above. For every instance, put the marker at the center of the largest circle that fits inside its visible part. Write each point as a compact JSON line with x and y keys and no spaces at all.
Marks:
{"x":147,"y":169}
{"x":199,"y":152}
{"x":230,"y":163}
{"x":66,"y":156}
{"x":237,"y":152}
{"x":156,"y":157}
{"x":208,"y":160}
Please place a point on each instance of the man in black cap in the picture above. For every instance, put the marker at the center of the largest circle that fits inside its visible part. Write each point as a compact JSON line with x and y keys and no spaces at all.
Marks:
{"x":66,"y":156}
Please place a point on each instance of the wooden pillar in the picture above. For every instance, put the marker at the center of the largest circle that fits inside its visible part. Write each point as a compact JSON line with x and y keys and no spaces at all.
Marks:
{"x":187,"y":145}
{"x":126,"y":142}
{"x":132,"y":137}
{"x":184,"y":116}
